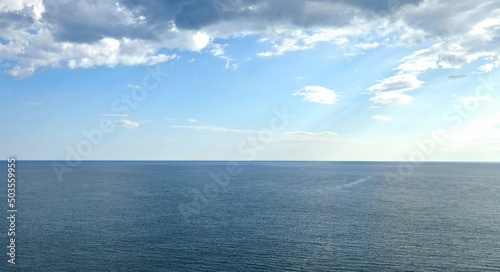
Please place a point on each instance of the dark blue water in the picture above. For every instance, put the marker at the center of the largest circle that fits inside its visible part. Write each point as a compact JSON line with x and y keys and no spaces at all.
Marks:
{"x":256,"y":216}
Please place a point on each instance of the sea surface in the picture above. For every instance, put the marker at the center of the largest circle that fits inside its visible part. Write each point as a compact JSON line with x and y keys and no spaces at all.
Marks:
{"x":255,"y":216}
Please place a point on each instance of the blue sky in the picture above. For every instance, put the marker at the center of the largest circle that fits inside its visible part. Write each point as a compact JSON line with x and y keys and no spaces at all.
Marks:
{"x":413,"y":80}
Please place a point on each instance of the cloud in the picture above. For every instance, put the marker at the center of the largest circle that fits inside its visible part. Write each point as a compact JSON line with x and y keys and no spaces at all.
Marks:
{"x":217,"y":49}
{"x":78,"y":34}
{"x":391,"y":99}
{"x":366,"y":46}
{"x":128,"y":124}
{"x":265,"y":54}
{"x":307,"y":133}
{"x":488,"y":67}
{"x":379,"y":117}
{"x":456,"y":76}
{"x":33,"y":103}
{"x":397,"y":83}
{"x":192,"y":120}
{"x":209,"y":128}
{"x":389,"y":91}
{"x":132,"y":86}
{"x":61,"y":34}
{"x":317,"y":94}
{"x":205,"y":128}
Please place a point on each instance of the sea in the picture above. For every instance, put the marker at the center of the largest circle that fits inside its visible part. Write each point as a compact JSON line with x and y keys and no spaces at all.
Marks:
{"x":253,"y":216}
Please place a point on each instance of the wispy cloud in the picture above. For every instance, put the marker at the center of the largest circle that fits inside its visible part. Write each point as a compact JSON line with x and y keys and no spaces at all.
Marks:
{"x":192,"y":120}
{"x":456,"y":76}
{"x":391,"y":99}
{"x":132,"y":86}
{"x":308,"y":133}
{"x":33,"y":103}
{"x":217,"y":49}
{"x":209,"y":128}
{"x":317,"y":94}
{"x":379,"y":117}
{"x":206,"y":128}
{"x":397,"y":83}
{"x":128,"y":124}
{"x":229,"y":65}
{"x":113,"y":115}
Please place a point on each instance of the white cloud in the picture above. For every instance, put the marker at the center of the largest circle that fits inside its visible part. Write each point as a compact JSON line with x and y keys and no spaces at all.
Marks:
{"x":397,"y":83}
{"x":307,"y":133}
{"x":46,"y":38}
{"x":192,"y":120}
{"x":366,"y":46}
{"x":78,"y":34}
{"x":105,"y":52}
{"x":488,"y":67}
{"x":289,"y":39}
{"x":209,"y":128}
{"x":199,"y":41}
{"x":389,"y":91}
{"x":217,"y":49}
{"x":265,"y":54}
{"x":317,"y":94}
{"x":419,"y":61}
{"x":379,"y":117}
{"x":128,"y":124}
{"x":391,"y":98}
{"x":132,"y":86}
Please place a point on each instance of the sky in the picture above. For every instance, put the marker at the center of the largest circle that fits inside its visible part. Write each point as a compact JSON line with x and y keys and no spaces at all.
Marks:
{"x":397,"y":80}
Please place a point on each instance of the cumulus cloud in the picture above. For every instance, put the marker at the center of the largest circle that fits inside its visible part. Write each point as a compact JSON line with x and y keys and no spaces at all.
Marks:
{"x":317,"y":94}
{"x":85,"y":33}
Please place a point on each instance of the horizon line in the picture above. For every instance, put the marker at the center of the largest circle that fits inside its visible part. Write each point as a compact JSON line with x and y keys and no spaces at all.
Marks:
{"x":247,"y":161}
